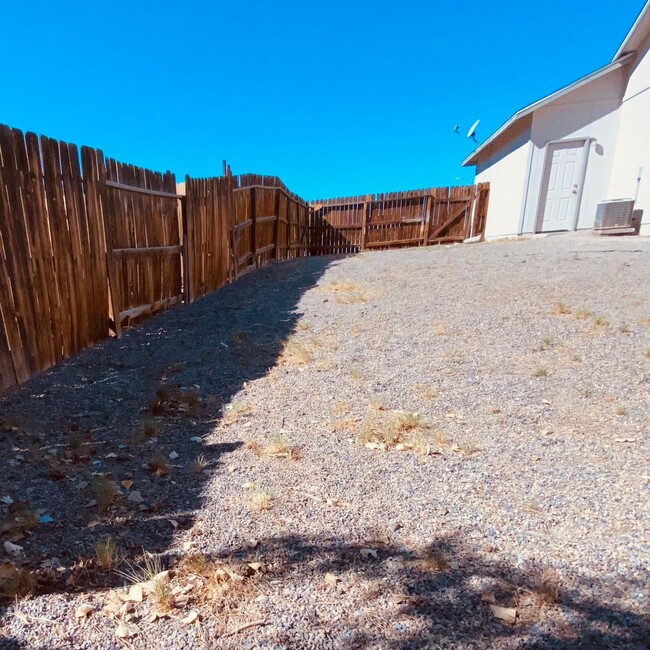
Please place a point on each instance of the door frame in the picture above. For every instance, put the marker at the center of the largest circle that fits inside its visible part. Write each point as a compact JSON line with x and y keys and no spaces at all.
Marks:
{"x":543,"y":190}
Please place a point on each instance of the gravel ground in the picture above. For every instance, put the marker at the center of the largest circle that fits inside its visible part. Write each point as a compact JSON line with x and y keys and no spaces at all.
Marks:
{"x":527,"y":365}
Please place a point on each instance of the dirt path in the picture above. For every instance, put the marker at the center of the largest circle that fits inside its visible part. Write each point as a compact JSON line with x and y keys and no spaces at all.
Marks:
{"x":376,"y":451}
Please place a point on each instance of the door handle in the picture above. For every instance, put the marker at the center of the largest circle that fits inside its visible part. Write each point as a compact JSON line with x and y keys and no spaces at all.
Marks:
{"x":575,"y":188}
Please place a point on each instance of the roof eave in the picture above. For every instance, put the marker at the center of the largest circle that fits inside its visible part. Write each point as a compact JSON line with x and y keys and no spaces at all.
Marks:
{"x":473,"y":158}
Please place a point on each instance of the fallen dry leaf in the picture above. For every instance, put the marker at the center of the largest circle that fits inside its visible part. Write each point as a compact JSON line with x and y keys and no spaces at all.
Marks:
{"x":375,"y":445}
{"x":127,"y":484}
{"x":190,"y":618}
{"x":256,"y":566}
{"x":134,"y":595}
{"x":173,"y":455}
{"x":506,"y":614}
{"x":126,"y":630}
{"x":83,"y":610}
{"x":332,"y":579}
{"x":624,"y":439}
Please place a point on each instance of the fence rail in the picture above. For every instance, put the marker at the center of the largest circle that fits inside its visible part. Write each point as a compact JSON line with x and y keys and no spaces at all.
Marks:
{"x":89,"y":244}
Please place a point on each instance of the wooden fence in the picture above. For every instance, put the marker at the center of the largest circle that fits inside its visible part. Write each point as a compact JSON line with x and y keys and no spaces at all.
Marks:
{"x":414,"y":218}
{"x":52,"y":277}
{"x":233,"y":224}
{"x":89,"y":244}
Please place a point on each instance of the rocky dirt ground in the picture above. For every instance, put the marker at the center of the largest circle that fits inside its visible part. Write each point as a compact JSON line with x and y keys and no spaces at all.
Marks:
{"x":444,"y":448}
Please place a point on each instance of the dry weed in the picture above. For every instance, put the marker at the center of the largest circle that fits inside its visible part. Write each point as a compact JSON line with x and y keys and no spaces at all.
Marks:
{"x":260,"y":499}
{"x":105,"y":493}
{"x":106,"y":553}
{"x":158,"y":464}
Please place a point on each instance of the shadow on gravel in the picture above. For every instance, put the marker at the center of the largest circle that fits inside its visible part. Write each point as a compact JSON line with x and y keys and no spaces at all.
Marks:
{"x":435,"y":597}
{"x":65,"y":432}
{"x":440,"y":596}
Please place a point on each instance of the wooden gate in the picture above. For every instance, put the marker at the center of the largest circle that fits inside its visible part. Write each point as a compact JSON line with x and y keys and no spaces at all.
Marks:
{"x":143,"y":241}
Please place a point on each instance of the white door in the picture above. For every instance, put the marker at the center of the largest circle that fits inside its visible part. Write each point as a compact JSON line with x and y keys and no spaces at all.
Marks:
{"x":562,"y":179}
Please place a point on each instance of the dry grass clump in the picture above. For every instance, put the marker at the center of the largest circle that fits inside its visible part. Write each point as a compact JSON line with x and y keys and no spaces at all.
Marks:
{"x":399,"y":430}
{"x":561,"y":308}
{"x":426,"y":393}
{"x":19,"y":520}
{"x":294,"y":352}
{"x":199,"y":465}
{"x":254,"y":446}
{"x":547,"y":343}
{"x":105,"y":493}
{"x":341,"y":408}
{"x":15,"y":582}
{"x":260,"y":499}
{"x":173,"y":401}
{"x":278,"y":447}
{"x":582,"y":314}
{"x":540,"y":372}
{"x":235,"y":412}
{"x":158,"y":464}
{"x":647,"y":353}
{"x":543,"y":590}
{"x":356,"y":374}
{"x":106,"y":553}
{"x":600,"y":321}
{"x":149,"y":568}
{"x":346,"y":292}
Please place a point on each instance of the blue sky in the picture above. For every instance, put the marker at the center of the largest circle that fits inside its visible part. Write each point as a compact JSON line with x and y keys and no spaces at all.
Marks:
{"x":336,"y":98}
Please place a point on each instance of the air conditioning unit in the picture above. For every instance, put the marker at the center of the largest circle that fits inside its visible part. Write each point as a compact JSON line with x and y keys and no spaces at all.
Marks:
{"x":615,"y":217}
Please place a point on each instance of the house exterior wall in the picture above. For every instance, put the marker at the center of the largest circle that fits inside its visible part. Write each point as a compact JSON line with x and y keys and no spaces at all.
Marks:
{"x":633,"y":142}
{"x":505,"y":170}
{"x":588,"y":112}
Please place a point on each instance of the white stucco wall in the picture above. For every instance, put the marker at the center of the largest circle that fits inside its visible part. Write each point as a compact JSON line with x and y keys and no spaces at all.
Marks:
{"x":588,"y":112}
{"x":633,"y":142}
{"x":505,"y":170}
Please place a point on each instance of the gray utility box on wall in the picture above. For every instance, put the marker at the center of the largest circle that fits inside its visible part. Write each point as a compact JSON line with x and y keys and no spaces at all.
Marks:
{"x":615,"y":217}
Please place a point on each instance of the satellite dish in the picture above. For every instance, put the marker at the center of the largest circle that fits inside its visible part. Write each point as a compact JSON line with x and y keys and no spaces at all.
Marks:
{"x":472,"y":131}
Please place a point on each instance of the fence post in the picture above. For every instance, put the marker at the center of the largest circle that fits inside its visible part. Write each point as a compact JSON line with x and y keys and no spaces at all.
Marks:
{"x":364,"y":220}
{"x":277,"y":224}
{"x":253,"y":228}
{"x":427,"y":220}
{"x":182,"y":206}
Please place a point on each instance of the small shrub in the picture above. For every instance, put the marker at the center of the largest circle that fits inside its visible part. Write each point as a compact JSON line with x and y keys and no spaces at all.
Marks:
{"x":599,"y":321}
{"x":540,"y":372}
{"x":624,"y":328}
{"x":582,"y":314}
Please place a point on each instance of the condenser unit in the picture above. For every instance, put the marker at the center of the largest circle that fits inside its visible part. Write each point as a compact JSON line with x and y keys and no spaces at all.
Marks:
{"x":615,"y":217}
